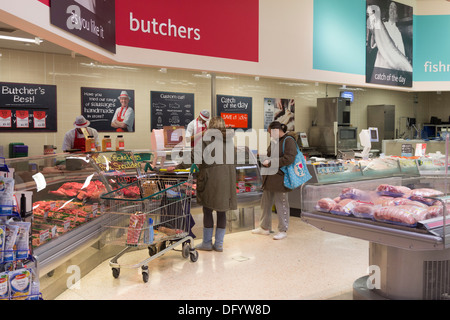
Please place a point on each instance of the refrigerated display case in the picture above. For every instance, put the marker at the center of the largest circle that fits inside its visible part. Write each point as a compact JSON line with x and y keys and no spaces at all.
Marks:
{"x":248,"y":186}
{"x":66,"y":208}
{"x":69,"y":213}
{"x":339,"y":171}
{"x":409,"y":249}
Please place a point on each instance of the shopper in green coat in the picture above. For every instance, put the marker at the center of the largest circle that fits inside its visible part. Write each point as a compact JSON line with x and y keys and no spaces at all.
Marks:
{"x":216,"y":180}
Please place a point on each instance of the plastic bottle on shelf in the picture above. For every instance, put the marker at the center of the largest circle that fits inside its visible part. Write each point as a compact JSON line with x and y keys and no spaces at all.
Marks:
{"x":120,"y":143}
{"x":106,"y":143}
{"x":90,"y":144}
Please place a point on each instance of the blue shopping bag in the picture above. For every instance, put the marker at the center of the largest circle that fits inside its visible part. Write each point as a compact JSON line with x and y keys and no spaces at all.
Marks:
{"x":296,"y":173}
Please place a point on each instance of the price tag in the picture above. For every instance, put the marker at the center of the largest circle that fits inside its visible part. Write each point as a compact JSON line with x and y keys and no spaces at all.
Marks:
{"x":39,"y":119}
{"x":5,"y":118}
{"x":22,"y":119}
{"x":94,"y":210}
{"x":66,"y":224}
{"x":44,"y":235}
{"x":53,"y":231}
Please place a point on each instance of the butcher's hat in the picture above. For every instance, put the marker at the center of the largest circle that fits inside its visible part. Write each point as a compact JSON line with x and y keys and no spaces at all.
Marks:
{"x":81,"y":122}
{"x":124,"y":94}
{"x":205,"y":115}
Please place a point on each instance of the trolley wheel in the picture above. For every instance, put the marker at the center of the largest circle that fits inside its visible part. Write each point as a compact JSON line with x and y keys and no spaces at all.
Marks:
{"x":145,"y":273}
{"x":115,"y":272}
{"x":185,"y":250}
{"x":152,"y":250}
{"x":193,"y":256}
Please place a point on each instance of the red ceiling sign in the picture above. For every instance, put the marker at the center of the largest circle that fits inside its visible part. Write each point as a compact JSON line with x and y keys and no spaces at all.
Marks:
{"x":216,"y":28}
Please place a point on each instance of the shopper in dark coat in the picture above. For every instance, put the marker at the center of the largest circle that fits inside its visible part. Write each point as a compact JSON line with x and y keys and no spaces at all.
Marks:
{"x":274,"y":190}
{"x":216,"y":180}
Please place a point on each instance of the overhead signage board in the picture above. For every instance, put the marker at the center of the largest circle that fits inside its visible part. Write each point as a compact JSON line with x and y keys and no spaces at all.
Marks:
{"x":219,"y":28}
{"x":93,"y":21}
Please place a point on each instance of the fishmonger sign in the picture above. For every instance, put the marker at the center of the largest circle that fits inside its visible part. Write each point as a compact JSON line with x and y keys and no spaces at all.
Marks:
{"x":219,"y":28}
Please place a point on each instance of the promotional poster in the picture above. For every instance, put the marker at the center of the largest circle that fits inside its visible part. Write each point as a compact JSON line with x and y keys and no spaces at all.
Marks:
{"x":282,"y":110}
{"x":104,"y":108}
{"x":389,"y":43}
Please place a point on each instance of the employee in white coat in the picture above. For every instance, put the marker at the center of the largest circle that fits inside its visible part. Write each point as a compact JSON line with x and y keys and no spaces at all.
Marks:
{"x":197,"y":126}
{"x":75,"y":139}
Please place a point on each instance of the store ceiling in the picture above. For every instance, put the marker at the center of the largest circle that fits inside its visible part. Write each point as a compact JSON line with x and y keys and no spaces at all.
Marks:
{"x":45,"y":46}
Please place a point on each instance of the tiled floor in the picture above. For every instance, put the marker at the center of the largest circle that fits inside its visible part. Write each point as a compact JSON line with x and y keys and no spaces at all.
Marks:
{"x":308,"y":264}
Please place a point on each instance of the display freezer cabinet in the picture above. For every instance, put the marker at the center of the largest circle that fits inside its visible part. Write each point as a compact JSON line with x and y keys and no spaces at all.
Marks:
{"x":408,"y":260}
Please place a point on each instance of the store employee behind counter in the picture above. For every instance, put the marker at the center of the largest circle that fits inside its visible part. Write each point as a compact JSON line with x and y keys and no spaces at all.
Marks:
{"x":197,"y":127}
{"x":75,"y":139}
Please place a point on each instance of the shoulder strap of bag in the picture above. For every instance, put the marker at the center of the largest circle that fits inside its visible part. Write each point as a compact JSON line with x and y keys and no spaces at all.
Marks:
{"x":292,"y":139}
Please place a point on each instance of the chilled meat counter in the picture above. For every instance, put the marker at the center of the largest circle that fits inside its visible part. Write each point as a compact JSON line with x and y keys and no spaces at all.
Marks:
{"x":405,"y":219}
{"x":61,"y":192}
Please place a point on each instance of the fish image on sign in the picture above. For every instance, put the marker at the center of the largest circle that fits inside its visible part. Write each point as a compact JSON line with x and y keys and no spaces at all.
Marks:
{"x":389,"y":43}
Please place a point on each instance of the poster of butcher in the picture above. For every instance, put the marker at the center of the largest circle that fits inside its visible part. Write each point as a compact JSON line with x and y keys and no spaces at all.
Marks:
{"x":389,"y":44}
{"x":282,"y":110}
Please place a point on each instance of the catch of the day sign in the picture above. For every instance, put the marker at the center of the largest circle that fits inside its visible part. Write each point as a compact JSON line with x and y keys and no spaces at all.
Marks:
{"x":235,"y":111}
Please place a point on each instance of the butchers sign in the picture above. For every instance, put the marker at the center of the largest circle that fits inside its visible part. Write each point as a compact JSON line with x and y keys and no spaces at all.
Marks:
{"x":220,"y":28}
{"x":115,"y":161}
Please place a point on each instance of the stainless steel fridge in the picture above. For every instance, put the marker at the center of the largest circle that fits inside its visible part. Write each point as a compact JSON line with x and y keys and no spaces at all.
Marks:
{"x":333,"y":131}
{"x":382,"y":117}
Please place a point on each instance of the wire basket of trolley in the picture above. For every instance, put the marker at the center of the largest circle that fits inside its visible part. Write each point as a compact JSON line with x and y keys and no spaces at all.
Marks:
{"x":153,"y":212}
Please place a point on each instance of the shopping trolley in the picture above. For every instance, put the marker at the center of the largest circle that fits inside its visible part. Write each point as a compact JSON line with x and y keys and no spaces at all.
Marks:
{"x":153,"y":212}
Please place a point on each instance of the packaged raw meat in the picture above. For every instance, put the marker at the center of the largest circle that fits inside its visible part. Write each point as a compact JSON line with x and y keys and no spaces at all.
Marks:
{"x":392,"y":191}
{"x":356,"y":194}
{"x":405,"y":201}
{"x":325,"y":204}
{"x":422,"y":194}
{"x":383,"y":201}
{"x":425,"y":192}
{"x":435,"y":211}
{"x":135,"y":228}
{"x":344,"y":207}
{"x":364,"y":210}
{"x":404,"y":214}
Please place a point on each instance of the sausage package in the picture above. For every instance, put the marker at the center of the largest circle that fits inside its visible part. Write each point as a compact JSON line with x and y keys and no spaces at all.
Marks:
{"x":135,"y":228}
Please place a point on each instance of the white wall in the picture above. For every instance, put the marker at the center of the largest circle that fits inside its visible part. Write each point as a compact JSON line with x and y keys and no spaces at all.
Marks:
{"x":70,"y":74}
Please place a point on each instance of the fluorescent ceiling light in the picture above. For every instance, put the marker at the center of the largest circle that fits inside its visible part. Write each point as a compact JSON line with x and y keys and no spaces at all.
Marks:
{"x":27,"y":40}
{"x":100,"y":66}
